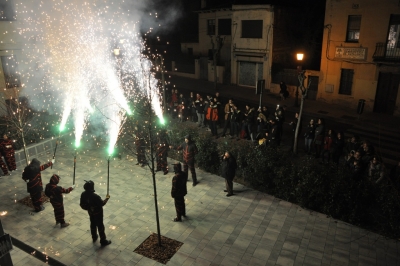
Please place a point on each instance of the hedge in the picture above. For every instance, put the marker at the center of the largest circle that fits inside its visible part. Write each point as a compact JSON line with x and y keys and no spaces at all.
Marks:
{"x":326,"y":188}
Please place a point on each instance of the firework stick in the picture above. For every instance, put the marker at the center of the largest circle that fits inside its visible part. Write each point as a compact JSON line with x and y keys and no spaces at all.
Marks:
{"x":108,"y":176}
{"x":55,"y":150}
{"x":73,"y":180}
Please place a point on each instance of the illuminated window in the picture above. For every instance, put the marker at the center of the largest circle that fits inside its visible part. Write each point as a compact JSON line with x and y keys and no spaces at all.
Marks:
{"x":353,"y":29}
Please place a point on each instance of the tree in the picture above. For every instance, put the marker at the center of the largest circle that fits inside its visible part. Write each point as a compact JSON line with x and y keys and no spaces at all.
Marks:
{"x":144,"y":124}
{"x":17,"y":116}
{"x":216,"y":49}
{"x":304,"y":92}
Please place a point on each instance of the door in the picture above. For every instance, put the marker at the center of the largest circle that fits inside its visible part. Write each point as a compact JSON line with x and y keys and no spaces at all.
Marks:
{"x":386,"y":92}
{"x":203,"y":61}
{"x":249,"y":73}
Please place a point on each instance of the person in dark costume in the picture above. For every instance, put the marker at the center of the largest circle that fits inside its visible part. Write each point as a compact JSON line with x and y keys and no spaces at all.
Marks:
{"x":32,"y":175}
{"x":54,"y":192}
{"x":162,"y":152}
{"x":189,"y":150}
{"x":140,"y":148}
{"x":93,"y":203}
{"x":319,"y":137}
{"x":8,"y":152}
{"x":179,"y":191}
{"x":228,"y":167}
{"x":273,"y":135}
{"x":283,"y":92}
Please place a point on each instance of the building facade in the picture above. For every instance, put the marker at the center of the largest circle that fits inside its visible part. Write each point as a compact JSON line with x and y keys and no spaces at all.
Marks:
{"x":241,"y":36}
{"x":361,"y":55}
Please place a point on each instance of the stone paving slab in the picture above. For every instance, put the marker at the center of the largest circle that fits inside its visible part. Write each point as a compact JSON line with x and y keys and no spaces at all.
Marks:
{"x":250,"y":228}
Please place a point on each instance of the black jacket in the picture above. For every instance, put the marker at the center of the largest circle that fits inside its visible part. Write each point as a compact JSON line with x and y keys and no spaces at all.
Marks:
{"x":228,"y":168}
{"x":179,"y":182}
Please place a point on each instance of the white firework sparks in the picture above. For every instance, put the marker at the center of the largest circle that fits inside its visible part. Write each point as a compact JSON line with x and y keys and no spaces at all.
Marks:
{"x":69,"y":48}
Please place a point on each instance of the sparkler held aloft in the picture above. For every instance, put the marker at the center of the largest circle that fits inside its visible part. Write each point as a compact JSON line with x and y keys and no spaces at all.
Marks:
{"x":55,"y":148}
{"x":108,"y":177}
{"x":73,"y":180}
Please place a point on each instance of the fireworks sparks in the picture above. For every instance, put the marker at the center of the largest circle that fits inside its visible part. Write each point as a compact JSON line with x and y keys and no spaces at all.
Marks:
{"x":85,"y":59}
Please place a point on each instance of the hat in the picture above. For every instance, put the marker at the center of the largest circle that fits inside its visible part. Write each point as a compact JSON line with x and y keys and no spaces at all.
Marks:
{"x":187,"y":137}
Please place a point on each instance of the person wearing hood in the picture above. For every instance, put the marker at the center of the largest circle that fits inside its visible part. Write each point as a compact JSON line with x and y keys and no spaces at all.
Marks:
{"x":189,"y":150}
{"x":179,"y":191}
{"x":93,"y":204}
{"x":54,"y":192}
{"x":32,"y":175}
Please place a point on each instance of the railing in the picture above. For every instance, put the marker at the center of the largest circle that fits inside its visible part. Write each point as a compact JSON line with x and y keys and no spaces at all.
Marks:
{"x":386,"y":52}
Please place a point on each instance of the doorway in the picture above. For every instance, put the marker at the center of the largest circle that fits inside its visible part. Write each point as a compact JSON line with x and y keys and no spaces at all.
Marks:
{"x":386,"y":93}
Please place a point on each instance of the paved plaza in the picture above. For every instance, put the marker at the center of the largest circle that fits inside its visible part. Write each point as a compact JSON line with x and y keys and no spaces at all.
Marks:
{"x":250,"y":228}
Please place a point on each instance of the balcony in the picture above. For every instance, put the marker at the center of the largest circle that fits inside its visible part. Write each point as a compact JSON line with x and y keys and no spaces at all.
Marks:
{"x":386,"y":53}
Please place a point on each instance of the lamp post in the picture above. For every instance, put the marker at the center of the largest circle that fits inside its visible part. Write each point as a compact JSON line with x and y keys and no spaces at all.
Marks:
{"x":299,"y":57}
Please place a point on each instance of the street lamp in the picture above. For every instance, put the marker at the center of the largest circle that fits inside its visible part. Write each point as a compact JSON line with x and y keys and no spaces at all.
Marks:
{"x":299,"y":57}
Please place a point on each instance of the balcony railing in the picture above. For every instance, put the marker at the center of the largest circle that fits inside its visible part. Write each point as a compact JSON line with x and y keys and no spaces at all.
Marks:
{"x":386,"y":53}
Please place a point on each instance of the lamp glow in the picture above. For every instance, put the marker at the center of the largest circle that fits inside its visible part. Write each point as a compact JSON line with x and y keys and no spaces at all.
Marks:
{"x":300,"y":56}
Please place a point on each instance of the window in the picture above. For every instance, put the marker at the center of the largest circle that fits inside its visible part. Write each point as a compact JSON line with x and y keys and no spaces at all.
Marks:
{"x":394,"y":32}
{"x":211,"y":27}
{"x":6,"y":10}
{"x":252,"y":29}
{"x":10,"y":69}
{"x":353,"y":29}
{"x":346,"y":81}
{"x":224,"y":27}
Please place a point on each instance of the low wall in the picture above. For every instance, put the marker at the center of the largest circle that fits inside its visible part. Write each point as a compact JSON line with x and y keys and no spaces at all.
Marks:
{"x":45,"y":146}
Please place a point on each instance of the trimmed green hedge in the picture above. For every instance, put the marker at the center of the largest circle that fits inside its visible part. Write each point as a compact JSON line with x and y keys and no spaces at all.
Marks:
{"x":324,"y":188}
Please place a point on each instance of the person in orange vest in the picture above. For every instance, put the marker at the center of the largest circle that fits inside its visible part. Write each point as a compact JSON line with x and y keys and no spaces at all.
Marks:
{"x":212,"y":116}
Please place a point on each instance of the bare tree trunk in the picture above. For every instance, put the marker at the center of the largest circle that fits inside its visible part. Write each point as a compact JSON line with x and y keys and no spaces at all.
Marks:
{"x":304,"y":92}
{"x":151,"y":157}
{"x":23,"y":141}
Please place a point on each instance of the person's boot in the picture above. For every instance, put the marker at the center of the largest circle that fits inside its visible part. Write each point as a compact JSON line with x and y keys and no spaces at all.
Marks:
{"x":105,"y":242}
{"x":64,"y":225}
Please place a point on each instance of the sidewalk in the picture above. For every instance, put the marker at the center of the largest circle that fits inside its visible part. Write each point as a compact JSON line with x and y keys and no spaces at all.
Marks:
{"x":250,"y":228}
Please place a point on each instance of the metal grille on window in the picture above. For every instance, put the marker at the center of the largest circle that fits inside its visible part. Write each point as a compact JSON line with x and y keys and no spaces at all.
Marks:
{"x":346,"y":81}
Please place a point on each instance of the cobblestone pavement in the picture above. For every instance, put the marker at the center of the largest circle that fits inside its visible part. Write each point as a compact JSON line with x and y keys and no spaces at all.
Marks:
{"x":250,"y":228}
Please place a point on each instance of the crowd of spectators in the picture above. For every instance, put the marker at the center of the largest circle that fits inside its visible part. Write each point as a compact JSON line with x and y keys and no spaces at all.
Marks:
{"x":263,"y":126}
